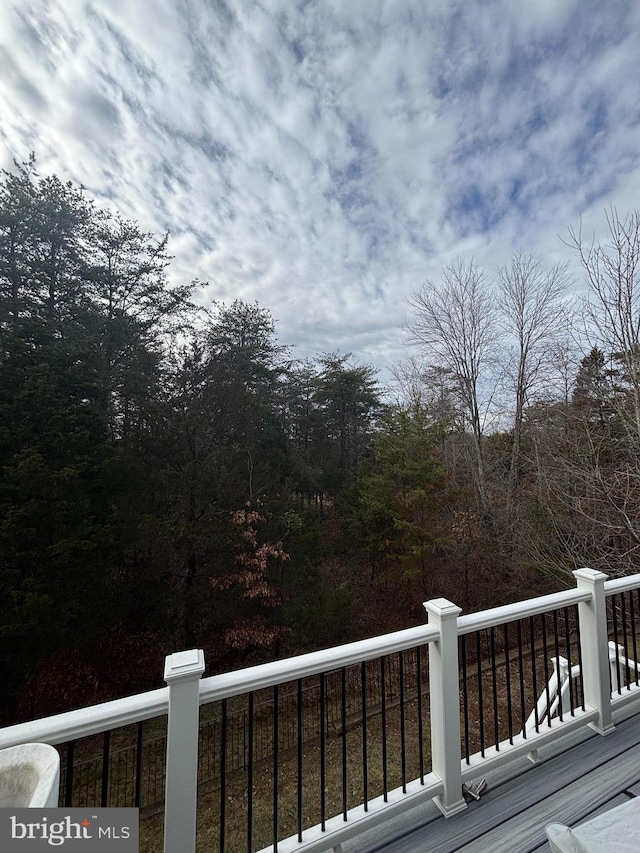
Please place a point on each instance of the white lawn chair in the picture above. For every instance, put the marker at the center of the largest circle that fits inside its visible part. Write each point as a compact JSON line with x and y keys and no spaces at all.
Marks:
{"x":615,"y":831}
{"x":29,"y":776}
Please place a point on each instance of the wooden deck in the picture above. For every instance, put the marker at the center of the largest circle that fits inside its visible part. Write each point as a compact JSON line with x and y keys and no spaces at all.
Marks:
{"x":572,"y":782}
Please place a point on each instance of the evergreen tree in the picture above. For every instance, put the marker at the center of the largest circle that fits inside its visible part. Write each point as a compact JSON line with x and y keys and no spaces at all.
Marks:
{"x":402,"y":493}
{"x":348,"y":405}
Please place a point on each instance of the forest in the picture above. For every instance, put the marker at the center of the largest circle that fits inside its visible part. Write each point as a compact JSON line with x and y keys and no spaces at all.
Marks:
{"x":175,"y":476}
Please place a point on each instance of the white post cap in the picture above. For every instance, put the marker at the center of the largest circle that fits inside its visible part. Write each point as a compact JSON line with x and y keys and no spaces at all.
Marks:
{"x":182,"y":666}
{"x":442,"y":607}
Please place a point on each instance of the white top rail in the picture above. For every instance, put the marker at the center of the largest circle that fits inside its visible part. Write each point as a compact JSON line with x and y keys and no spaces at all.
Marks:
{"x":84,"y":722}
{"x":619,"y":585}
{"x":253,"y":678}
{"x":520,"y":610}
{"x":88,"y":721}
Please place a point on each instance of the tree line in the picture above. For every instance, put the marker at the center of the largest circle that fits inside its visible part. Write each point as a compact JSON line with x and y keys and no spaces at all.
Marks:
{"x":172,"y":475}
{"x":544,"y":388}
{"x":165,"y":468}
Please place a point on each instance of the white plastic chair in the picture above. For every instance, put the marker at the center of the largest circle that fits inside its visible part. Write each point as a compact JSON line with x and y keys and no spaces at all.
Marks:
{"x":615,"y":831}
{"x":29,"y":776}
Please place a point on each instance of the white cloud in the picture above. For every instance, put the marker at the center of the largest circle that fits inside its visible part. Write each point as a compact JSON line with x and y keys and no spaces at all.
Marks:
{"x":327,"y":158}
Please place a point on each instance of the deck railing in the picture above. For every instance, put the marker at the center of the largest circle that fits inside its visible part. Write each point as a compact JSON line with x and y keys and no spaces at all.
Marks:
{"x":333,"y":741}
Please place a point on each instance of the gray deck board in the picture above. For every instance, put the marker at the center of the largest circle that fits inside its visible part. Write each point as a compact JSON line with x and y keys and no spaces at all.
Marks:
{"x":571,"y":805}
{"x":616,"y":801}
{"x":567,"y":787}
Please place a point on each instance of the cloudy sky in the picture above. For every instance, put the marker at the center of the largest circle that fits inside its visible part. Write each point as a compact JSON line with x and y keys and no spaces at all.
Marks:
{"x":325,"y":158}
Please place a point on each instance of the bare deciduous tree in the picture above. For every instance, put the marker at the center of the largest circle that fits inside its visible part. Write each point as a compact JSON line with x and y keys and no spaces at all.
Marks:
{"x":454,"y":324}
{"x":531,"y":298}
{"x":591,"y":474}
{"x":612,"y":306}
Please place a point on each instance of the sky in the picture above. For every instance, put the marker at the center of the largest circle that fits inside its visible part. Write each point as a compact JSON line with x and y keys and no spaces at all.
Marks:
{"x":327,"y":158}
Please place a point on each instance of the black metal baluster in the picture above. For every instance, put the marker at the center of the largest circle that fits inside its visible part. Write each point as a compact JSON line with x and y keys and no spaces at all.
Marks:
{"x":250,"y":777}
{"x":300,"y":739}
{"x":494,"y":685}
{"x":625,"y":638}
{"x":465,"y":698}
{"x":136,"y":800}
{"x":480,"y":692}
{"x":556,"y":648}
{"x":106,"y":746}
{"x":634,"y":640}
{"x":545,"y":661}
{"x":365,"y":773}
{"x":384,"y":726}
{"x":403,"y":731}
{"x":343,"y":738}
{"x":579,"y":648}
{"x":241,"y":719}
{"x":275,"y":766}
{"x":521,"y":670}
{"x":507,"y":673}
{"x":567,"y":640}
{"x":244,"y":739}
{"x":420,"y":729}
{"x":223,"y":772}
{"x":534,"y":674}
{"x":323,"y":757}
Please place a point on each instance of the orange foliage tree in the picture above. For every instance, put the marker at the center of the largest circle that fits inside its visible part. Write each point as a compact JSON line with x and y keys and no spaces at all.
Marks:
{"x":254,"y":565}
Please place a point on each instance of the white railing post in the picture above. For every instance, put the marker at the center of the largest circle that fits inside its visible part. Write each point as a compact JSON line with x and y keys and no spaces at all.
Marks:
{"x":594,"y":647}
{"x":445,"y":704}
{"x":182,"y":672}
